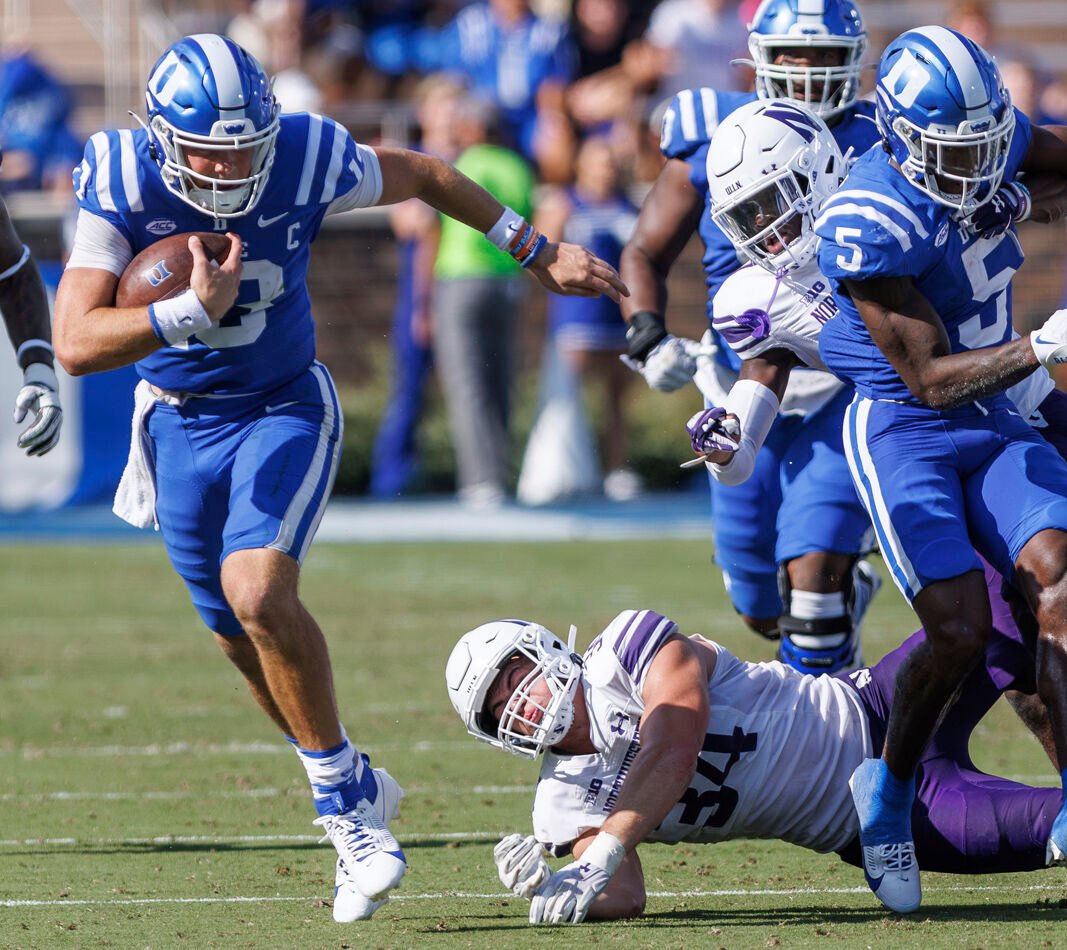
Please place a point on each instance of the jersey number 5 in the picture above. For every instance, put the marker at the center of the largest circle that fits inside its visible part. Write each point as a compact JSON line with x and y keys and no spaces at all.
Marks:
{"x":721,"y":800}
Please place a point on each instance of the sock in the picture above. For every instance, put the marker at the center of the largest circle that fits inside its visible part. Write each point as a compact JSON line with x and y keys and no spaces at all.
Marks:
{"x":337,"y":776}
{"x":884,"y":803}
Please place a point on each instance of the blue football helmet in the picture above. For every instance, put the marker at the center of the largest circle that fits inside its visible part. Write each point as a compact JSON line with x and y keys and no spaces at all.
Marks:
{"x":205,"y":92}
{"x":945,"y":115}
{"x":779,"y":25}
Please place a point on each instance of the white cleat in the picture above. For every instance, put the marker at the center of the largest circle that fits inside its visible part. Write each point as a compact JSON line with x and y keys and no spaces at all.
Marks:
{"x":370,"y":860}
{"x":349,"y":904}
{"x":893,"y":874}
{"x":1054,"y":857}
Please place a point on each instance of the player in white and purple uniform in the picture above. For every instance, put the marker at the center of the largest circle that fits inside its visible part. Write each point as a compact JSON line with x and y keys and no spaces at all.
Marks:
{"x":921,"y":247}
{"x":652,"y":736}
{"x":810,"y":51}
{"x":238,"y":431}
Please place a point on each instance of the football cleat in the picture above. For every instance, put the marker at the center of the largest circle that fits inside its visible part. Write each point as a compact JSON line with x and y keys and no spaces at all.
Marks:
{"x":889,"y":863}
{"x":349,"y":904}
{"x":370,"y":861}
{"x":1056,"y":849}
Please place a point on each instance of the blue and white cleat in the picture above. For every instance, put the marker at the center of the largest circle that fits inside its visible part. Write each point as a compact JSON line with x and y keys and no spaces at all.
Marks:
{"x":370,"y":861}
{"x":888,"y":853}
{"x":1056,"y":849}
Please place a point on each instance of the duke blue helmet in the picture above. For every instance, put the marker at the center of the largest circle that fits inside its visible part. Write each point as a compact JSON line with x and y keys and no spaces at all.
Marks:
{"x":945,"y":115}
{"x":483,"y":653}
{"x":779,"y":25}
{"x":205,"y":92}
{"x":771,"y":165}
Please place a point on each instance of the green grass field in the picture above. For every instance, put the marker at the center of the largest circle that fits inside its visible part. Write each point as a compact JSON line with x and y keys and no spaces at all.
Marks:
{"x":145,"y":801}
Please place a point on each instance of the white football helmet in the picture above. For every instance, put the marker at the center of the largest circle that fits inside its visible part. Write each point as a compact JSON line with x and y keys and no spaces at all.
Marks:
{"x":478,"y":659}
{"x":771,"y":165}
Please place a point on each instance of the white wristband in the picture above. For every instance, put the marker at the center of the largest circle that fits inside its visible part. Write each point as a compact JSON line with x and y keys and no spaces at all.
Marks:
{"x":178,"y":318}
{"x":509,"y":224}
{"x":1049,"y":352}
{"x":40,"y":374}
{"x":605,"y":851}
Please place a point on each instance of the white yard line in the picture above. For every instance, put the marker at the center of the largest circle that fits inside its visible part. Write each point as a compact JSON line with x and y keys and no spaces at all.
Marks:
{"x":463,"y":895}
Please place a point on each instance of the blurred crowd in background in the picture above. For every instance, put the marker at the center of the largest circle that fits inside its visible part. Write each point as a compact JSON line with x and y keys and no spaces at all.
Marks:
{"x":552,"y":104}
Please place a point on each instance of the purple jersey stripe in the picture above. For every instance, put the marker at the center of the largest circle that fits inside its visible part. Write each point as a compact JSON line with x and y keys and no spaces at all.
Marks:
{"x":642,"y":635}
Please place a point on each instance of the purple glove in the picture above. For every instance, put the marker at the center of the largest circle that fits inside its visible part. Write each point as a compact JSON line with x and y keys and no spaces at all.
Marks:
{"x":1011,"y":202}
{"x":711,"y":431}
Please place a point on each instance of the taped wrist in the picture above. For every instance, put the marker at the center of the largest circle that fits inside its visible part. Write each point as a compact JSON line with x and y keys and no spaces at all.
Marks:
{"x":605,"y":851}
{"x":1026,"y":203}
{"x":178,"y":318}
{"x":643,"y":331}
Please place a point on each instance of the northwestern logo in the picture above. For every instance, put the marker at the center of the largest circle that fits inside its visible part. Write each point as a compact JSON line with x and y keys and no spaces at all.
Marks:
{"x":159,"y":273}
{"x":161,"y":226}
{"x":800,"y":122}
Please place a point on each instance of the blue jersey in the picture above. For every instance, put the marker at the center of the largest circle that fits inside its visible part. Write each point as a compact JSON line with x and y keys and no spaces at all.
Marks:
{"x":880,"y":225}
{"x":508,"y":66}
{"x":268,"y":338}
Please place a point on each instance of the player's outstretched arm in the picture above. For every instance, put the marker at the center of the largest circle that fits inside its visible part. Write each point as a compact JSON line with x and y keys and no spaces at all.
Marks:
{"x":562,"y":268}
{"x":25,"y":309}
{"x":907,"y":330}
{"x":673,"y":726}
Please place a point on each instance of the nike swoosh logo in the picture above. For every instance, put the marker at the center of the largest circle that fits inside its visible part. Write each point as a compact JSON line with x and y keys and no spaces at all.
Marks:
{"x":1048,"y":342}
{"x":266,"y":222}
{"x":269,"y":409}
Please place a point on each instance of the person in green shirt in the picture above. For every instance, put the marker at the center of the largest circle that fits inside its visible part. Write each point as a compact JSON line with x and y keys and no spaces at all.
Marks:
{"x":477,"y":296}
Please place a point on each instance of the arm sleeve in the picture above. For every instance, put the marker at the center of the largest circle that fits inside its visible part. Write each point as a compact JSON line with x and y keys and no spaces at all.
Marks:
{"x":368,"y":187}
{"x":99,"y":244}
{"x":756,"y":408}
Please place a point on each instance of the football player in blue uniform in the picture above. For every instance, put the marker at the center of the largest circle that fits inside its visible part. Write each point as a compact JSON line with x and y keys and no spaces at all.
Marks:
{"x":237,"y":432}
{"x":921,"y":246}
{"x":812,"y":51}
{"x":24,"y":305}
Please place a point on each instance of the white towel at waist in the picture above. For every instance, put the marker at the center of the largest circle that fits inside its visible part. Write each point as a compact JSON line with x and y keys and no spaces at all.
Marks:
{"x":135,"y":498}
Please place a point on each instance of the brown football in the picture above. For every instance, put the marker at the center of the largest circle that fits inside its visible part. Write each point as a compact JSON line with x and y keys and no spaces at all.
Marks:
{"x":162,"y":269}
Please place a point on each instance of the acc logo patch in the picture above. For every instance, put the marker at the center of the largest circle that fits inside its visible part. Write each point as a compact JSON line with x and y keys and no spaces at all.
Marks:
{"x":942,"y":235}
{"x":161,"y":226}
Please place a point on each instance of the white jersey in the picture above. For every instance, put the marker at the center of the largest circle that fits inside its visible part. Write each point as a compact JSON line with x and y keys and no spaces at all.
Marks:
{"x":779,"y":750}
{"x":755,"y":312}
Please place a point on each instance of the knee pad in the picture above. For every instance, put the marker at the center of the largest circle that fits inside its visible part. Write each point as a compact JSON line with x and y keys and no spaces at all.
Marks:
{"x":818,"y":633}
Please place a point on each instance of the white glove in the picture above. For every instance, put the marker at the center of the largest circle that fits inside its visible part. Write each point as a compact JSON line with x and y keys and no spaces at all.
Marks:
{"x":40,"y":395}
{"x":520,"y":864}
{"x":670,"y":364}
{"x":565,"y":898}
{"x":1050,"y":342}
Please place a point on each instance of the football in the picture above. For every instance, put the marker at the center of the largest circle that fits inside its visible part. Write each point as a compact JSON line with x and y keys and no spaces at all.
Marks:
{"x":162,"y":269}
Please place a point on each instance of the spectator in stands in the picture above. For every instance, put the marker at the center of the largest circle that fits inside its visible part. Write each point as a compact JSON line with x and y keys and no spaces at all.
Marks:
{"x":587,"y":338}
{"x":696,"y":40}
{"x":477,"y":295}
{"x":394,"y":459}
{"x":523,"y":64}
{"x":39,"y":147}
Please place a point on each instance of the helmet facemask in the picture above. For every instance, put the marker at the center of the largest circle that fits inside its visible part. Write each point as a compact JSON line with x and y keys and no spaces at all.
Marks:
{"x":826,"y":90}
{"x":959,"y":168}
{"x":219,"y":197}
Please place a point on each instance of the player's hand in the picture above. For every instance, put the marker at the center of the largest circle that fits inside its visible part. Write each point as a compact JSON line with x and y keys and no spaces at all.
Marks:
{"x":571,"y":270}
{"x":1010,"y":203}
{"x":567,"y":895}
{"x":216,"y":285}
{"x":520,"y":864}
{"x":670,"y":364}
{"x":714,"y":434}
{"x":39,"y":395}
{"x":1050,"y":341}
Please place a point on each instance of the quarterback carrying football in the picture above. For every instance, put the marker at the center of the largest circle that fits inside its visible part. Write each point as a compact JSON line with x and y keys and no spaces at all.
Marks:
{"x":237,"y":428}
